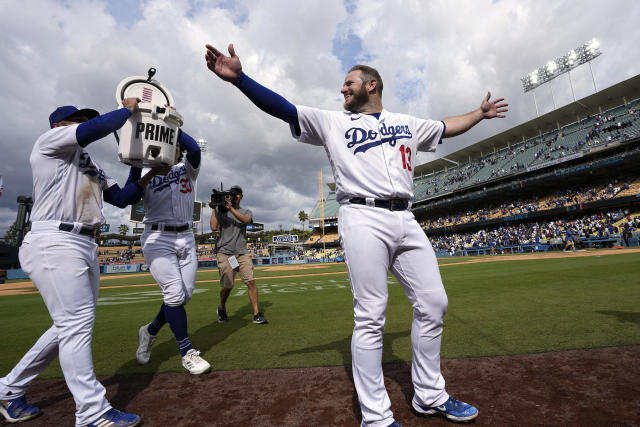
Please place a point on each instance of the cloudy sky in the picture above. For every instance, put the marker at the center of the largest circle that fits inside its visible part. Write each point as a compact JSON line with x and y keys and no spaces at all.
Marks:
{"x":437,"y":59}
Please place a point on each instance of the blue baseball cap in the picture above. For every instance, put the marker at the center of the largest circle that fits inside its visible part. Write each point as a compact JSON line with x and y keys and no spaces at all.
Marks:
{"x":235,"y":189}
{"x":68,"y":111}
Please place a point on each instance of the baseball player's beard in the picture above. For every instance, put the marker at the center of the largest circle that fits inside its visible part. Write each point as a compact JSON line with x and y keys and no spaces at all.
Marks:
{"x":358,"y":99}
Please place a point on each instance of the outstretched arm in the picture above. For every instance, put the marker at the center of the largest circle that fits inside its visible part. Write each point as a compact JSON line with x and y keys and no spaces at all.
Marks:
{"x":229,"y":69}
{"x":488,"y":110}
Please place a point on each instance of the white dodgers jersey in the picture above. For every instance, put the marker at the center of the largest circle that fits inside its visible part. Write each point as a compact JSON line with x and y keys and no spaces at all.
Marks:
{"x":370,"y":157}
{"x":169,"y":199}
{"x":67,"y":184}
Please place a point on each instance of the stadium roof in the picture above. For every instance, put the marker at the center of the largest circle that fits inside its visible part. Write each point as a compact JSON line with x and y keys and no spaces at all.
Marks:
{"x":612,"y":96}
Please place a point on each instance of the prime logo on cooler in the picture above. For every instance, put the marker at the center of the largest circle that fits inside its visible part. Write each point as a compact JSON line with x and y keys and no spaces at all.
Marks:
{"x":155,"y":132}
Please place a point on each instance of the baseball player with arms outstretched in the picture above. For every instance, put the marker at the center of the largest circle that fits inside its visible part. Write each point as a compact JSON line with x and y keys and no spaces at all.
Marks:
{"x":61,"y":258}
{"x":371,"y":151}
{"x":169,"y":249}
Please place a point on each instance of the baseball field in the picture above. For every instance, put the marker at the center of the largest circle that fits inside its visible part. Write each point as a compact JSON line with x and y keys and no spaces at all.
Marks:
{"x":530,"y":339}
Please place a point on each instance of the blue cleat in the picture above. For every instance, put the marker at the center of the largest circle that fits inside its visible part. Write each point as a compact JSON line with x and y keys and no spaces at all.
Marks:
{"x":115,"y":418}
{"x":17,"y":410}
{"x":453,"y":409}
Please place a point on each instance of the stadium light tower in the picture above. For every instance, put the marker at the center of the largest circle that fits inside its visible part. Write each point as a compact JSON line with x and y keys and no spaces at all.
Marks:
{"x":202,"y":143}
{"x":583,"y":54}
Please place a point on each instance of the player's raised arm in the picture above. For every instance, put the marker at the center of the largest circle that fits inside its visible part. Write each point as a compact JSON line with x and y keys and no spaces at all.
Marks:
{"x":229,"y":69}
{"x":101,"y":126}
{"x":457,"y":125}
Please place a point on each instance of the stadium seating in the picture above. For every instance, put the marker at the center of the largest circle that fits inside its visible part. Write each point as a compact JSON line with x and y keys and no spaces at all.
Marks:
{"x":616,"y":124}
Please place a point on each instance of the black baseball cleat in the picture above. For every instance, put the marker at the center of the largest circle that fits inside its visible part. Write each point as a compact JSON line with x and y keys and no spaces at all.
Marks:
{"x":222,"y":315}
{"x":260,"y":319}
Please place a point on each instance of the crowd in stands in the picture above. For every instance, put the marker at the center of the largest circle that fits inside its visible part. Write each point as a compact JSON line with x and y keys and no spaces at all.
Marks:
{"x":118,"y":254}
{"x":575,"y":196}
{"x":330,"y":237}
{"x":206,"y":251}
{"x":600,"y":225}
{"x":258,"y":249}
{"x":616,"y":124}
{"x":317,"y":254}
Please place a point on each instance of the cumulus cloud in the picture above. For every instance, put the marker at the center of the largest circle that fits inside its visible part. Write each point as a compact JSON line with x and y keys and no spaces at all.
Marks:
{"x":436,"y":58}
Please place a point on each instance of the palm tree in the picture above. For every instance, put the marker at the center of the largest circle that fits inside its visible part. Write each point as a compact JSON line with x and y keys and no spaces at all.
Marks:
{"x":302,"y":217}
{"x":123,"y":229}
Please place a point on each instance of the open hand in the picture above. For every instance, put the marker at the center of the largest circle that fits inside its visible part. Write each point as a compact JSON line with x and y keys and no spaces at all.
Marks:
{"x":491,"y":109}
{"x":228,"y":68}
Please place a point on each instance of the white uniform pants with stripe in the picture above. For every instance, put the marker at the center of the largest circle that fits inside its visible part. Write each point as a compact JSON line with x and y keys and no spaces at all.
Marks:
{"x":173,"y":262}
{"x":377,"y":240}
{"x":64,"y":268}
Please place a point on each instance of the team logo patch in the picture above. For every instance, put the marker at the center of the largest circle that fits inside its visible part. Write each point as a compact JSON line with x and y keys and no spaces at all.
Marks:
{"x":364,"y":139}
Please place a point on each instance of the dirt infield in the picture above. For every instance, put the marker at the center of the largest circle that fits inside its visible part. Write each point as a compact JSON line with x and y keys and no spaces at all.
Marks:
{"x":578,"y":388}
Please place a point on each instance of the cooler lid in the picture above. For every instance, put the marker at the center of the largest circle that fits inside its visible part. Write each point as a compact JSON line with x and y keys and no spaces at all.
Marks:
{"x":145,"y":88}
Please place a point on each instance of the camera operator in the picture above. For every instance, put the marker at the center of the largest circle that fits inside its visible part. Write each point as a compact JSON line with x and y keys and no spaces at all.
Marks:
{"x":231,"y":251}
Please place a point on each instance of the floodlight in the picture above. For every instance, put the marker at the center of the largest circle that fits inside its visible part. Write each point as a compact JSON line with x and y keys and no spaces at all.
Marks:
{"x":574,"y":58}
{"x":202,"y":143}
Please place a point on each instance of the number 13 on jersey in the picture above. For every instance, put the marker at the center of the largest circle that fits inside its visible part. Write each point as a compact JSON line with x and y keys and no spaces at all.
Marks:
{"x":406,"y":157}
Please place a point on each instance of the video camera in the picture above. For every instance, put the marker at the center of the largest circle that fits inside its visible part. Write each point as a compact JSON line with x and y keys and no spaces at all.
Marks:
{"x":217,"y":198}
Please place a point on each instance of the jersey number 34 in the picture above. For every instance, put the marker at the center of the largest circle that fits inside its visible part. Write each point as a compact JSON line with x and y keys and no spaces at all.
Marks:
{"x":185,"y":185}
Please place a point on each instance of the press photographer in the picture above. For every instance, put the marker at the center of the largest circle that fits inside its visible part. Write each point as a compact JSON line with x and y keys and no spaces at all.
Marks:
{"x":231,"y":248}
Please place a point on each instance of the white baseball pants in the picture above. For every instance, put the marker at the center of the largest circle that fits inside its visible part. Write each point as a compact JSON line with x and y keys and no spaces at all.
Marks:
{"x":64,"y":267}
{"x":173,"y":262}
{"x":376,"y":240}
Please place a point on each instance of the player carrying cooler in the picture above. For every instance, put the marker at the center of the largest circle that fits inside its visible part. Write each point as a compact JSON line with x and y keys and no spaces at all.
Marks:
{"x":371,"y":152}
{"x":61,"y":258}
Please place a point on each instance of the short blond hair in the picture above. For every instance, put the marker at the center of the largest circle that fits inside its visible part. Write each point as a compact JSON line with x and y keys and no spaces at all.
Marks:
{"x":369,"y":73}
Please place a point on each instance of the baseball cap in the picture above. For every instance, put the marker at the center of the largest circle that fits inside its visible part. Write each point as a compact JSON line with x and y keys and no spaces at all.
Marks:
{"x":68,"y":111}
{"x":235,"y":189}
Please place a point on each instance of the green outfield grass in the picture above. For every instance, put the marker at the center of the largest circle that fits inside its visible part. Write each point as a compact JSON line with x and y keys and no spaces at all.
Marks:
{"x":495,"y":308}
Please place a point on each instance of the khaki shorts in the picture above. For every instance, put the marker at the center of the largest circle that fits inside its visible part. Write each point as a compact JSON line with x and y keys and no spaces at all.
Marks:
{"x":228,"y":274}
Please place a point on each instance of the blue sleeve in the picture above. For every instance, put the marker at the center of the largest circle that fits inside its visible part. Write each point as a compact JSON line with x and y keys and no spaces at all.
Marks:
{"x":134,"y":174}
{"x":267,"y":100}
{"x":192,"y":147}
{"x":101,"y":126}
{"x":130,"y":194}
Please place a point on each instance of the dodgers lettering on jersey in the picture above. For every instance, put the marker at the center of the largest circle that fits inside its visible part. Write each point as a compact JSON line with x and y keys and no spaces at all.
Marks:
{"x":369,"y":157}
{"x":67,"y":184}
{"x":367,"y":139}
{"x":169,"y":199}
